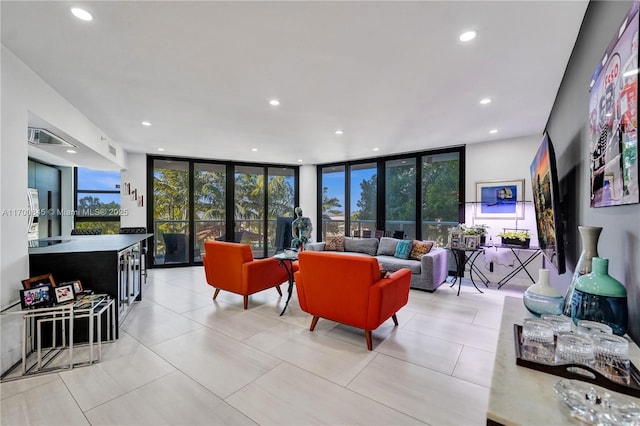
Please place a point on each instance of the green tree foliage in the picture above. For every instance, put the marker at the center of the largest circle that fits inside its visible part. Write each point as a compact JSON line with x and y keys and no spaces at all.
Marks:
{"x":440,"y":183}
{"x":401,"y":192}
{"x":367,"y":202}
{"x":330,"y":205}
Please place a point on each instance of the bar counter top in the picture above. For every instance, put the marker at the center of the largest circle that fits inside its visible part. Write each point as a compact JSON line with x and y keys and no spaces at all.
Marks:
{"x":84,"y":243}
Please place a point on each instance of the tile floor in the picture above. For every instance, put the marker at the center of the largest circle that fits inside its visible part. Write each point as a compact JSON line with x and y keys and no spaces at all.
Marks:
{"x":185,"y":359}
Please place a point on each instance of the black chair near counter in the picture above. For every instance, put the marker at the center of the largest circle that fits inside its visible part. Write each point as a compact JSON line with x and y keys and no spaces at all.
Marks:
{"x":175,"y":248}
{"x":86,"y":232}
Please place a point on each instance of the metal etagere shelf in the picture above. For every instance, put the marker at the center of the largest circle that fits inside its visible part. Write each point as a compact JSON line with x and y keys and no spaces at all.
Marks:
{"x":55,"y":326}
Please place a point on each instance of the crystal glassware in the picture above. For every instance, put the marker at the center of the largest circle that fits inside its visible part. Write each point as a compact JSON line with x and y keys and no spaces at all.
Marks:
{"x":575,"y":348}
{"x":592,"y":327}
{"x":537,"y":340}
{"x":560,"y":323}
{"x":612,"y":357}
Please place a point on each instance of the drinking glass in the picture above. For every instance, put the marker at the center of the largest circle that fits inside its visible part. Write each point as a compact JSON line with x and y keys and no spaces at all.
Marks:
{"x":612,"y":357}
{"x":537,"y":340}
{"x":560,"y":323}
{"x":593,"y":327}
{"x":575,"y":348}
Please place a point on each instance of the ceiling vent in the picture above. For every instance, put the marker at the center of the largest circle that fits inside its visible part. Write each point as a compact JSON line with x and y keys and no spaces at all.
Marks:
{"x":45,"y":137}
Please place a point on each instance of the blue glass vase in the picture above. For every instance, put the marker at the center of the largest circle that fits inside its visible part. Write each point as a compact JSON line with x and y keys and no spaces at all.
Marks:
{"x":600,"y":297}
{"x":541,"y":298}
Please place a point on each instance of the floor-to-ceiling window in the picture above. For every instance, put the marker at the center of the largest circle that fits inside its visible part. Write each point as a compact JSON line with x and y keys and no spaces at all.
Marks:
{"x":171,"y":211}
{"x":280,"y":202}
{"x":400,"y":197}
{"x":97,"y":200}
{"x":332,"y":201}
{"x":193,"y":201}
{"x":413,"y":196}
{"x":363,"y":182}
{"x":440,"y":195}
{"x":210,"y":204}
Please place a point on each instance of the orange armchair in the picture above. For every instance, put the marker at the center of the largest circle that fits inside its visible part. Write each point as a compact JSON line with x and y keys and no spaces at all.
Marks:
{"x":231,"y":267}
{"x":348,"y":290}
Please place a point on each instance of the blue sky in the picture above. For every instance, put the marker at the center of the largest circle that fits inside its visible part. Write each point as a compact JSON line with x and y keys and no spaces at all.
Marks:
{"x":98,"y":179}
{"x":334,"y":182}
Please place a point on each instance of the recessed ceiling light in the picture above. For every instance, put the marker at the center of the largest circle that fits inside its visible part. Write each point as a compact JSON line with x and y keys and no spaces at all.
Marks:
{"x":160,"y":149}
{"x":81,"y":14}
{"x":376,"y":149}
{"x":72,"y":151}
{"x":254,"y":149}
{"x":300,"y":160}
{"x":492,"y":131}
{"x":468,"y":35}
{"x":274,"y":102}
{"x":146,"y":123}
{"x":339,"y":132}
{"x":485,"y":101}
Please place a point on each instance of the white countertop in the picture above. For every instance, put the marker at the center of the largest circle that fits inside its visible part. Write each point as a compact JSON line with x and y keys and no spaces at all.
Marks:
{"x":88,"y":243}
{"x":520,"y":395}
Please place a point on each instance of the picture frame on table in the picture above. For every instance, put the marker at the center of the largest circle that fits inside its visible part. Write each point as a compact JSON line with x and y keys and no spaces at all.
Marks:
{"x":455,"y":243}
{"x":77,"y":286}
{"x":64,"y":293}
{"x":37,"y":297}
{"x":40,"y":280}
{"x":472,"y":241}
{"x":500,"y":199}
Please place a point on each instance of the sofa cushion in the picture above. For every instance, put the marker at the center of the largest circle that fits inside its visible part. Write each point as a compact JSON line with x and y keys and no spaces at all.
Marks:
{"x":403,"y":249}
{"x":392,"y":264}
{"x":387,"y":246}
{"x":334,"y":244}
{"x":419,"y":249}
{"x":361,"y":245}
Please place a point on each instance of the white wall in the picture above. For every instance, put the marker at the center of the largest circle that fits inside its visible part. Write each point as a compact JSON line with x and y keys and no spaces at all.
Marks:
{"x":136,"y":175}
{"x":507,"y":159}
{"x":23,"y":92}
{"x":308,"y":199}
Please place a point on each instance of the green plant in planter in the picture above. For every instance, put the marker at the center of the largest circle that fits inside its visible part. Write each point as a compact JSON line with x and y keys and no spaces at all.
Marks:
{"x":480,"y":229}
{"x":518,"y":234}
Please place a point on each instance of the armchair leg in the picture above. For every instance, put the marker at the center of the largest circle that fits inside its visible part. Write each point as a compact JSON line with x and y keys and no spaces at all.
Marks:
{"x":215,"y":294}
{"x":246,"y":301}
{"x":367,"y":335}
{"x":395,"y":319}
{"x":314,"y":321}
{"x":279,"y":291}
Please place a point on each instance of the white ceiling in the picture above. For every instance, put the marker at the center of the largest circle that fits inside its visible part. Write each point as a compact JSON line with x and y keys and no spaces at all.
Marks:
{"x":392,"y":75}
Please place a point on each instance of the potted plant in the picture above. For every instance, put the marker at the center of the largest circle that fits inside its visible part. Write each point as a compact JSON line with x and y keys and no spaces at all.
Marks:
{"x":479,"y":230}
{"x":515,"y":237}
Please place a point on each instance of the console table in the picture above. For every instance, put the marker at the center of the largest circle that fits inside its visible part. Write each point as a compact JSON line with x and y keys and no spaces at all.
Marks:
{"x":520,"y":395}
{"x":462,"y":259}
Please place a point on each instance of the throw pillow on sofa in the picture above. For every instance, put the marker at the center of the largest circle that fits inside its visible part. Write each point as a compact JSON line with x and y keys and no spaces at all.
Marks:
{"x":387,"y":246}
{"x":419,"y":249}
{"x":361,"y":245}
{"x":403,"y":249}
{"x":334,"y":244}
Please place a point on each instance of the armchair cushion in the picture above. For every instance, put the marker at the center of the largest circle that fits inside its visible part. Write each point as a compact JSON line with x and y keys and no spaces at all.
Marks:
{"x":231,"y":267}
{"x":348,"y":289}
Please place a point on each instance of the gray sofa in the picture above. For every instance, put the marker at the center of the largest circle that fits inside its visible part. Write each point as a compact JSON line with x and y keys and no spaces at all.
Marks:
{"x":426,"y":274}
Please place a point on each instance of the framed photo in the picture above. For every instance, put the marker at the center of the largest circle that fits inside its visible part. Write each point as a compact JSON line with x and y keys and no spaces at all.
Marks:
{"x":46,"y":279}
{"x":77,"y":286}
{"x":64,"y":293}
{"x":37,"y":297}
{"x":472,"y":241}
{"x":501,"y":199}
{"x":455,"y":243}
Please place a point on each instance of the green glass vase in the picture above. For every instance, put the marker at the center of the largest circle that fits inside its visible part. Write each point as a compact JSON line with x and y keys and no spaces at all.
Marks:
{"x":599,"y":297}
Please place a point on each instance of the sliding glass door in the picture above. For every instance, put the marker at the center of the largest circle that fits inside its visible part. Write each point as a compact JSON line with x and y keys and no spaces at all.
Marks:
{"x":193,"y":201}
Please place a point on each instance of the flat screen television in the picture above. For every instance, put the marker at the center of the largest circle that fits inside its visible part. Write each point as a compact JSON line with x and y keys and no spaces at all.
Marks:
{"x":546,"y":200}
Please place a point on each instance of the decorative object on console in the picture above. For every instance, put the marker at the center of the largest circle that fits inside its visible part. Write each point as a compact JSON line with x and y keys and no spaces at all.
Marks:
{"x":40,"y":280}
{"x":589,"y":236}
{"x":36,"y":297}
{"x":540,"y":298}
{"x":64,"y":293}
{"x":515,"y":237}
{"x":600,"y":297}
